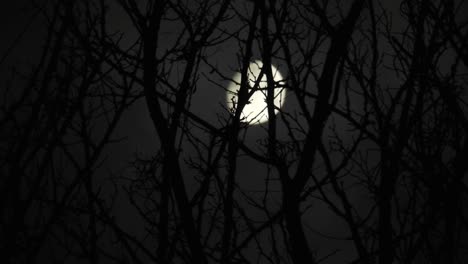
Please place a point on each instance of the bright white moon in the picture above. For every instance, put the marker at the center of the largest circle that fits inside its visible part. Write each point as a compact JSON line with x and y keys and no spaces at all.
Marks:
{"x":256,"y":111}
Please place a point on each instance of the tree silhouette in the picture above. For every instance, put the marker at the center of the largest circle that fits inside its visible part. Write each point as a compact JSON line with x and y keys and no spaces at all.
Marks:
{"x":364,"y":162}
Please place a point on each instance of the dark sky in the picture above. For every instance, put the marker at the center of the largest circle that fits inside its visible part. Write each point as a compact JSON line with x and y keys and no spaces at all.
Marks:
{"x":21,"y":32}
{"x":140,"y":134}
{"x":208,"y":102}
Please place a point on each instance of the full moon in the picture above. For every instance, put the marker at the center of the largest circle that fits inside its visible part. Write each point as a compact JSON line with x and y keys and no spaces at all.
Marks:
{"x":256,"y":111}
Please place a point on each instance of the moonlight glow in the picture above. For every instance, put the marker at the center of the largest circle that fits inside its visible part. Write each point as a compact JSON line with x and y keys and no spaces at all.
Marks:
{"x":256,"y":111}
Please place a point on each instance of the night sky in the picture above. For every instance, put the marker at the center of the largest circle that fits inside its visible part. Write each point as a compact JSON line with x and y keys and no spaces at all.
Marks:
{"x":396,"y":109}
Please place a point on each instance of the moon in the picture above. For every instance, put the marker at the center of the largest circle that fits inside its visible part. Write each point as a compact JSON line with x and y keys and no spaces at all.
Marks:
{"x":256,"y":110}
